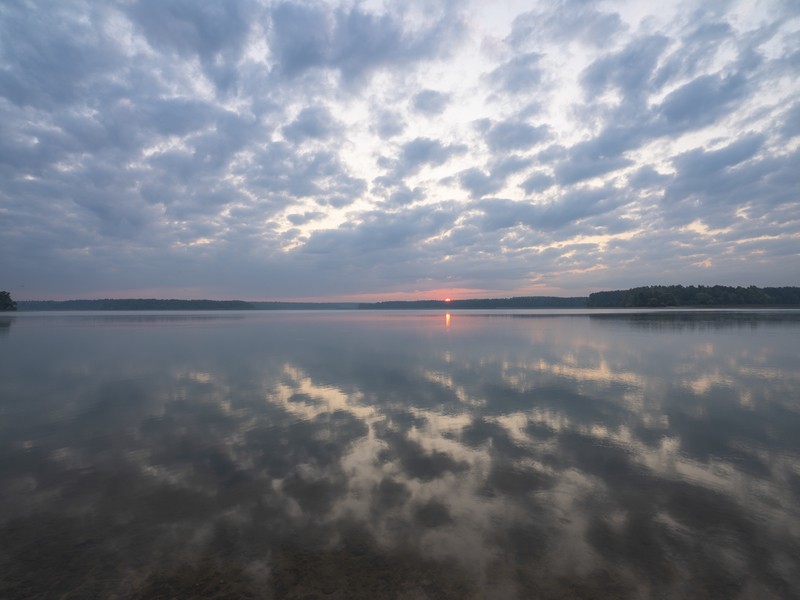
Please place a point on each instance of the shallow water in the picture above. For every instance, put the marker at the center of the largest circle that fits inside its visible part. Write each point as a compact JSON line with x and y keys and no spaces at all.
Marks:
{"x":508,"y":454}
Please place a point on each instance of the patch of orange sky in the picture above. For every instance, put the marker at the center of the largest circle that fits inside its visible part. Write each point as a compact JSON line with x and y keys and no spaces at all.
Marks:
{"x":438,"y":294}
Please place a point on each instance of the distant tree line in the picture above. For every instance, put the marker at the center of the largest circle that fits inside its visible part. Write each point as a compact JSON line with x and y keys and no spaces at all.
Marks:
{"x":274,"y":305}
{"x":135,"y":304}
{"x":6,"y":303}
{"x":648,"y":297}
{"x":516,"y":302}
{"x":678,"y":295}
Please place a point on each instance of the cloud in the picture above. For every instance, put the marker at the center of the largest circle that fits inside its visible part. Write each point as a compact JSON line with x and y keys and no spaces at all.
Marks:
{"x":647,"y":177}
{"x":518,"y":75}
{"x":206,"y":29}
{"x":509,"y":165}
{"x":598,"y":156}
{"x":697,"y":51}
{"x":430,"y":102}
{"x":538,"y":182}
{"x":636,"y":119}
{"x":313,"y":122}
{"x":213,"y":31}
{"x":514,"y":135}
{"x":423,"y":151}
{"x":179,"y":116}
{"x":552,"y":215}
{"x":381,"y":232}
{"x":405,"y":195}
{"x":302,"y":219}
{"x":479,"y":183}
{"x":48,"y":71}
{"x":791,"y":122}
{"x":352,"y":41}
{"x":700,"y":163}
{"x":702,"y":101}
{"x":278,"y":170}
{"x":563,"y":21}
{"x":389,"y":124}
{"x":629,"y":70}
{"x":722,"y":183}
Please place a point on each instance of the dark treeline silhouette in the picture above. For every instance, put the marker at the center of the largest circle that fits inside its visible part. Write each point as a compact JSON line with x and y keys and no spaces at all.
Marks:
{"x":678,"y":295}
{"x":6,"y":303}
{"x":517,"y":302}
{"x":134,"y":304}
{"x":304,"y":305}
{"x":640,"y":297}
{"x":156,"y":304}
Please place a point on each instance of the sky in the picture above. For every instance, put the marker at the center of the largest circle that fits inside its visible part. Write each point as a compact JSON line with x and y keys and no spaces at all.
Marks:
{"x":396,"y":150}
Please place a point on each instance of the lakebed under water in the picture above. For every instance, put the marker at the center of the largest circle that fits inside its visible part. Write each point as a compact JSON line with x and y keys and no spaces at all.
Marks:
{"x":355,"y":454}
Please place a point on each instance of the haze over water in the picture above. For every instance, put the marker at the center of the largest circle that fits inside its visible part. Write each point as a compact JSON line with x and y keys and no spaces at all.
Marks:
{"x":400,"y":454}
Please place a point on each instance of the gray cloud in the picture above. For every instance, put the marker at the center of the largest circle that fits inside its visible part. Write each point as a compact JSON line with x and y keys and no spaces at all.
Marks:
{"x":388,"y":125}
{"x":382,"y":232}
{"x":404,"y":195}
{"x":647,"y":177}
{"x":634,"y":73}
{"x":512,"y":135}
{"x":565,"y":20}
{"x":599,"y":155}
{"x":214,"y":31}
{"x":702,"y":101}
{"x":700,"y":163}
{"x":178,"y":116}
{"x":508,"y":165}
{"x":538,"y":182}
{"x":628,"y":70}
{"x":479,"y":183}
{"x":205,"y":29}
{"x":424,"y":151}
{"x":720,"y":183}
{"x":300,"y":219}
{"x":791,"y":122}
{"x":697,"y":51}
{"x":313,"y":122}
{"x":556,"y":214}
{"x":520,"y":74}
{"x":430,"y":102}
{"x":352,"y":41}
{"x":62,"y":67}
{"x":581,"y":167}
{"x":279,"y":170}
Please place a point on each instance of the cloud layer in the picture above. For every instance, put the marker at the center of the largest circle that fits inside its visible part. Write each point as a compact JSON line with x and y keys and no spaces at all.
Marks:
{"x":291,"y":150}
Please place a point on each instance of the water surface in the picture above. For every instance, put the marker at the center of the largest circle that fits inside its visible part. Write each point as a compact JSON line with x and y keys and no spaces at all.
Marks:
{"x":506,"y":454}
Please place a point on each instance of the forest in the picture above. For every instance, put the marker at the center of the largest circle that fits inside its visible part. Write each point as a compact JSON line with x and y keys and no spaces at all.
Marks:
{"x":679,"y":295}
{"x":134,"y":304}
{"x":6,"y":303}
{"x":656,"y":296}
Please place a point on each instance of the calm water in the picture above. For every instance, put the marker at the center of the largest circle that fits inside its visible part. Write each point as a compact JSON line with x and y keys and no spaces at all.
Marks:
{"x":400,"y":455}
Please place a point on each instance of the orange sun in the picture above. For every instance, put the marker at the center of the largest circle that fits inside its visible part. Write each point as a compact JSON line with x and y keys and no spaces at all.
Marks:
{"x":447,"y":300}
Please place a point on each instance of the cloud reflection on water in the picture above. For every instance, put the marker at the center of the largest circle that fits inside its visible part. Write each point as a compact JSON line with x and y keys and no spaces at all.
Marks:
{"x":637,"y":456}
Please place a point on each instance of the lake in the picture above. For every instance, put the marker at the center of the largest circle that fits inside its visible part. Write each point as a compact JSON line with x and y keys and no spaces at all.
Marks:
{"x":355,"y":454}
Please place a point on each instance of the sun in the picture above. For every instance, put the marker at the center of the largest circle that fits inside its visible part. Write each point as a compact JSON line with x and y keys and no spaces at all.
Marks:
{"x":447,"y":300}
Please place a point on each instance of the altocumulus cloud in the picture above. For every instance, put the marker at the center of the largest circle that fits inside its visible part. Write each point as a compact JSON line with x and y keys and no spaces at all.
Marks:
{"x":289,"y":149}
